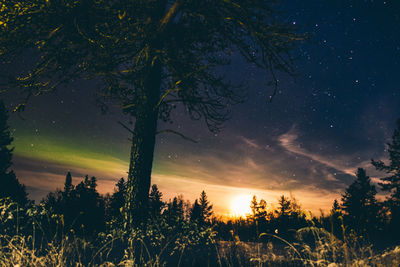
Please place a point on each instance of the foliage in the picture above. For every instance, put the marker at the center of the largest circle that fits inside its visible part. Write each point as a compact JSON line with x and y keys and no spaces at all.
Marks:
{"x":360,"y":205}
{"x":147,"y":56}
{"x":201,"y":211}
{"x":391,"y":183}
{"x":81,"y":208}
{"x":9,"y":184}
{"x":120,"y":41}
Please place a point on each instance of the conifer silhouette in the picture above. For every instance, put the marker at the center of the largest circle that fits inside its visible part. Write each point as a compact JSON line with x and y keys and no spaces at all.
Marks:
{"x":9,"y":184}
{"x":391,"y":183}
{"x":359,"y":203}
{"x":155,"y":201}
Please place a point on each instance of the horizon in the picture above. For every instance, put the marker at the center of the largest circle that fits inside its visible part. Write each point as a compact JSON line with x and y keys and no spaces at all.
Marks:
{"x":337,"y":114}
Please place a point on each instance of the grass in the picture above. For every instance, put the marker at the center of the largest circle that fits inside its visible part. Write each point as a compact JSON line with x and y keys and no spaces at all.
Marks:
{"x":325,"y":250}
{"x":26,"y":240}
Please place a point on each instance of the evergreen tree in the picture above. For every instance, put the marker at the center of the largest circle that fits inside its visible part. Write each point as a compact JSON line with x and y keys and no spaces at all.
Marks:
{"x":68,"y":187}
{"x":147,"y":58}
{"x":359,"y":204}
{"x":205,"y":207}
{"x":284,"y":206}
{"x":116,"y":202}
{"x":335,"y":207}
{"x":175,"y":210}
{"x":391,"y":183}
{"x":82,"y":208}
{"x":9,"y":184}
{"x":336,"y":219}
{"x":195,"y":212}
{"x":289,"y":216}
{"x":258,"y":209}
{"x":155,"y":201}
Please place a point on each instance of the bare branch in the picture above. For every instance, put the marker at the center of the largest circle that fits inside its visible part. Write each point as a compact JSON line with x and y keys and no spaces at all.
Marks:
{"x":126,"y":127}
{"x":177,"y":133}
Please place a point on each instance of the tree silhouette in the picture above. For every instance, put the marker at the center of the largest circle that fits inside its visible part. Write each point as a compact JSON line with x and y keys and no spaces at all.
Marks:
{"x":391,"y":183}
{"x":149,"y":56}
{"x":81,"y":207}
{"x":285,"y":206}
{"x":9,"y":184}
{"x":258,"y":209}
{"x":155,"y":204}
{"x":288,"y":216}
{"x":195,"y":212}
{"x":115,"y":203}
{"x":202,"y":209}
{"x":68,"y":187}
{"x":175,"y":210}
{"x":359,"y":203}
{"x":336,"y":219}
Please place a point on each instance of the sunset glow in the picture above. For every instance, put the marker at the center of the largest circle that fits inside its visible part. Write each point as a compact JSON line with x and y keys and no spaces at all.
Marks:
{"x":240,"y":206}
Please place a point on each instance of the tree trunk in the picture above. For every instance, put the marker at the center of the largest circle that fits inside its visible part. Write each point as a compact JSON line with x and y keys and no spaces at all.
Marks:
{"x":142,"y":150}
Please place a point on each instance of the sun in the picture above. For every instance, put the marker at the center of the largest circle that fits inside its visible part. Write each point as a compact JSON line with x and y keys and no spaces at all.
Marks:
{"x":240,"y":206}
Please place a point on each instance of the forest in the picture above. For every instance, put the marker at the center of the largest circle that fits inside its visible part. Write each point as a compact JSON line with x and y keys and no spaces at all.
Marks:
{"x":77,"y":226}
{"x":163,"y":64}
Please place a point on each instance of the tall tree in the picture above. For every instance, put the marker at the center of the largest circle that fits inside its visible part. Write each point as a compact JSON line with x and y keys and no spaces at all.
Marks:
{"x":68,"y":187}
{"x":116,"y":203}
{"x":205,"y":208}
{"x":156,"y":203}
{"x":285,"y":206}
{"x":359,"y":203}
{"x":9,"y":184}
{"x":391,"y":183}
{"x":82,"y":208}
{"x":258,"y":209}
{"x":148,"y":55}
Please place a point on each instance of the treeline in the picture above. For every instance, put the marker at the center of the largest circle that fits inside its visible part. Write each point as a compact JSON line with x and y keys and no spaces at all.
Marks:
{"x":91,"y":221}
{"x":79,"y":212}
{"x":358,"y":214}
{"x":85,"y":212}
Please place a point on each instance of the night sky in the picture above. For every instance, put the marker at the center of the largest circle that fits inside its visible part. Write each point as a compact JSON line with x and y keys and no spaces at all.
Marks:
{"x":334,"y":116}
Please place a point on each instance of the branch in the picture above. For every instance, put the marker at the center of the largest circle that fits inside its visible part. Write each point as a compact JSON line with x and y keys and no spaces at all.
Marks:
{"x":177,"y":133}
{"x":126,"y":127}
{"x":170,"y":14}
{"x":275,"y":81}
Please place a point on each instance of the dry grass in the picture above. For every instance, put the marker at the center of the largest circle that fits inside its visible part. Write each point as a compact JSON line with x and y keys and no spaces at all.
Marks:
{"x":326,"y":251}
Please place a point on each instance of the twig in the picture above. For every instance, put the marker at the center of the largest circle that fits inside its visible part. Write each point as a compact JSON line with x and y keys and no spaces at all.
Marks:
{"x":177,"y":133}
{"x":126,"y":127}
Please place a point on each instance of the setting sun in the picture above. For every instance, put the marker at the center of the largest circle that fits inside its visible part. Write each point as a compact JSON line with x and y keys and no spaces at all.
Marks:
{"x":240,"y":206}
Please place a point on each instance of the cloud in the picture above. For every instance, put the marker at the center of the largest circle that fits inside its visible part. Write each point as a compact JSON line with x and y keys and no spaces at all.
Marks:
{"x":248,"y":166}
{"x":289,"y":141}
{"x":251,"y":143}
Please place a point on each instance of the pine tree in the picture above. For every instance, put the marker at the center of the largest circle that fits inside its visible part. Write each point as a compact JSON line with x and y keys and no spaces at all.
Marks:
{"x":82,"y":208}
{"x":284,"y":206}
{"x":9,"y":184}
{"x":155,"y":201}
{"x":175,"y":210}
{"x":258,"y":209}
{"x":195,"y":212}
{"x":359,"y":203}
{"x":336,"y":219}
{"x":68,"y":187}
{"x":205,"y":207}
{"x":114,"y":210}
{"x":391,"y":183}
{"x":146,"y":58}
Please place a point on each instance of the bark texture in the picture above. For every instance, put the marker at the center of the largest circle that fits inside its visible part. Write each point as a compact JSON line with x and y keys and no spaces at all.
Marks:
{"x":142,"y":150}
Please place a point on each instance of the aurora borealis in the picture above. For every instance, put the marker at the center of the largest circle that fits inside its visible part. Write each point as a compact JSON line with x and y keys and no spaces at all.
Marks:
{"x":335,"y":116}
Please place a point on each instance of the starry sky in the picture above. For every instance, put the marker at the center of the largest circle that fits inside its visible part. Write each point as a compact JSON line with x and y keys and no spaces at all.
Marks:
{"x":334,"y":116}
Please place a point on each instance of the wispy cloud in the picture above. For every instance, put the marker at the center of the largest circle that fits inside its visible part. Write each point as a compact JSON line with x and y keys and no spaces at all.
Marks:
{"x":251,"y":143}
{"x":289,"y":141}
{"x":248,"y":167}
